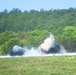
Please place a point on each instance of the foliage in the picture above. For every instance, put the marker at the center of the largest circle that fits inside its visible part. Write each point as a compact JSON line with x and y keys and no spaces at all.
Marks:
{"x":7,"y":40}
{"x":69,"y":38}
{"x":30,"y":28}
{"x":16,"y":20}
{"x":9,"y":45}
{"x":36,"y":37}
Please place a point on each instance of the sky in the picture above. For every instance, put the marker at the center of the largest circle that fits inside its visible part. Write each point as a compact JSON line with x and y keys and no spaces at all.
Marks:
{"x":36,"y":4}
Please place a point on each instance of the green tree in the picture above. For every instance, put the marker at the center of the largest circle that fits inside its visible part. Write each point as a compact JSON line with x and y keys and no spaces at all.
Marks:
{"x":9,"y":45}
{"x":69,"y":38}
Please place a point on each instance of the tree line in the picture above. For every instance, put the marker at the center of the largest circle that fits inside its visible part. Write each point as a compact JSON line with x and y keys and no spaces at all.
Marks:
{"x":30,"y":28}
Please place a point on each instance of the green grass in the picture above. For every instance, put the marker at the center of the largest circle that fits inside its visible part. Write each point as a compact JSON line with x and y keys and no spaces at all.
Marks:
{"x":64,"y":65}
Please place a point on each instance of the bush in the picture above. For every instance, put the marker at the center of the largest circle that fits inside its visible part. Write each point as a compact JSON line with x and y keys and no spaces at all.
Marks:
{"x":69,"y":38}
{"x":8,"y":45}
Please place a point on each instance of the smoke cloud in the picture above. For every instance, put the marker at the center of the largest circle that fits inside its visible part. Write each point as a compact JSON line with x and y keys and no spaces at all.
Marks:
{"x":48,"y":43}
{"x":47,"y":47}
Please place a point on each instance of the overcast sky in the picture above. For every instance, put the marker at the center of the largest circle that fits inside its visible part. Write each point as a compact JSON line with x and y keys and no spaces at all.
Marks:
{"x":36,"y":4}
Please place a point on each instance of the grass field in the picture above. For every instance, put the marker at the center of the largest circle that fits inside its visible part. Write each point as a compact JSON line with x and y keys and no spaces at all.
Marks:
{"x":56,"y":65}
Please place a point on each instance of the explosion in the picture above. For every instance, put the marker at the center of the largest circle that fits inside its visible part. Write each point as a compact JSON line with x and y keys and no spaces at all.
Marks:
{"x":48,"y":43}
{"x":47,"y":47}
{"x":17,"y":50}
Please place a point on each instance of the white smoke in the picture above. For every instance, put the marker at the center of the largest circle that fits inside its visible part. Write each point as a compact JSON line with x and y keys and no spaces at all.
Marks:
{"x":32,"y":52}
{"x":46,"y":45}
{"x":63,"y":50}
{"x":16,"y":48}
